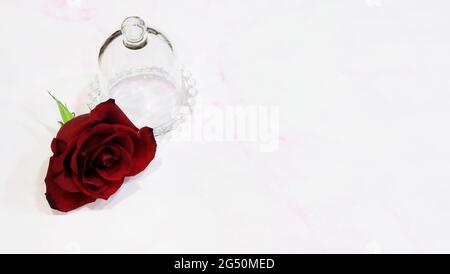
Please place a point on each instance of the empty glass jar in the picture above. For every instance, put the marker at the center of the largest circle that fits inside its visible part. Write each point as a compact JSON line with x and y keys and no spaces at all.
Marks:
{"x":138,"y":68}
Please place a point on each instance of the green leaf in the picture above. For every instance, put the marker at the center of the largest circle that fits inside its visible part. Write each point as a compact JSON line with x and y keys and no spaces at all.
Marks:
{"x":66,"y":115}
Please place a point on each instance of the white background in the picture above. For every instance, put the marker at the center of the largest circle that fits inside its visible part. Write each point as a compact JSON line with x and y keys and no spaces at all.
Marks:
{"x":363,"y":163}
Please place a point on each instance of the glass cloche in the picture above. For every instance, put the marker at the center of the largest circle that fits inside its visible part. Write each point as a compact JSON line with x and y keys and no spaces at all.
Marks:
{"x":138,"y":68}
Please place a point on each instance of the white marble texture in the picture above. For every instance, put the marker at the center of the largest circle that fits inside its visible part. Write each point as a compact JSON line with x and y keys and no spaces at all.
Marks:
{"x":363,"y":163}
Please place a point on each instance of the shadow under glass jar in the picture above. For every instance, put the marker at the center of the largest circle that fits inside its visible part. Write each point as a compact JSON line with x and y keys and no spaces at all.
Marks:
{"x":139,"y":69}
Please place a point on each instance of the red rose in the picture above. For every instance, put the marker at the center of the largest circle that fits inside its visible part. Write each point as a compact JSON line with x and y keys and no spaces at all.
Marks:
{"x":93,"y":153}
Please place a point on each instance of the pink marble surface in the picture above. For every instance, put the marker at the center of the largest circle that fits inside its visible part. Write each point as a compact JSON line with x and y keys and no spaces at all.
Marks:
{"x":362,"y":163}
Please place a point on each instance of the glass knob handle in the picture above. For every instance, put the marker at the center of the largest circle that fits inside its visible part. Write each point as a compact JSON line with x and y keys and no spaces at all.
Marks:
{"x":134,"y":32}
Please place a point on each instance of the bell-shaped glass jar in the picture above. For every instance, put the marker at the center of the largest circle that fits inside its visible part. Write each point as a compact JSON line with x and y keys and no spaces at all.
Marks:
{"x":139,"y":69}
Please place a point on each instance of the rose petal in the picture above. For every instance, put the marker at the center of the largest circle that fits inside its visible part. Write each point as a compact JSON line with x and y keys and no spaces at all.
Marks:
{"x":110,"y":190}
{"x":100,"y":135}
{"x":108,"y":112}
{"x":90,"y":140}
{"x":89,"y":182}
{"x":62,"y":161}
{"x":95,"y":183}
{"x":144,"y":152}
{"x":65,"y":181}
{"x":120,"y":169}
{"x":58,"y":146}
{"x":62,"y":200}
{"x":124,"y":140}
{"x":73,"y":127}
{"x":104,"y":188}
